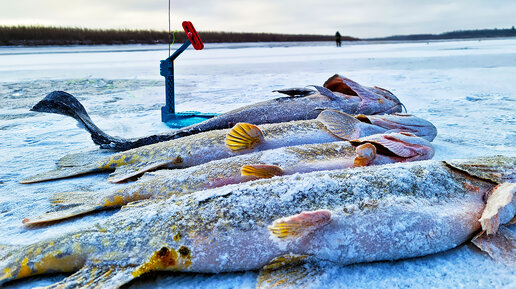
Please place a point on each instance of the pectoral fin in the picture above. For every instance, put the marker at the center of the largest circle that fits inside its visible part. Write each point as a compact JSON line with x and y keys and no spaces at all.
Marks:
{"x":342,"y":125}
{"x":244,"y":136}
{"x":294,"y":271}
{"x":300,"y":225}
{"x":500,"y":246}
{"x":96,"y":277}
{"x":500,"y":197}
{"x":366,"y":154}
{"x":261,"y":171}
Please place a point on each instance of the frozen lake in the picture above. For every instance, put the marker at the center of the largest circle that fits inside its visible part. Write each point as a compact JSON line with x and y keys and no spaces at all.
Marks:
{"x":466,"y":88}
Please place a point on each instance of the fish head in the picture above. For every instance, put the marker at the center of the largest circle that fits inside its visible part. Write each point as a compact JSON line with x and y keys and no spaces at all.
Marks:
{"x":373,"y":100}
{"x":399,"y":122}
{"x":397,"y":147}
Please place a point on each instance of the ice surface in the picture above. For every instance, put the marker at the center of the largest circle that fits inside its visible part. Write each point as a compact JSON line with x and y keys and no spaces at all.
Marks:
{"x":466,"y":88}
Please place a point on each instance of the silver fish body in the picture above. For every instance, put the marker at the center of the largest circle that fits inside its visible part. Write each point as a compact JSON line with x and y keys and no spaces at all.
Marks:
{"x":193,"y":150}
{"x":372,"y":150}
{"x":358,"y":100}
{"x":345,"y":216}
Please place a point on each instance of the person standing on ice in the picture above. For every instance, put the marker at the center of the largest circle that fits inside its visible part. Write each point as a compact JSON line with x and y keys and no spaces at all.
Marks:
{"x":337,"y":38}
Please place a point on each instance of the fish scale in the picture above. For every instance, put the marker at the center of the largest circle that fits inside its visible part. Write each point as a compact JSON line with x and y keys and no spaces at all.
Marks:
{"x":226,"y":229}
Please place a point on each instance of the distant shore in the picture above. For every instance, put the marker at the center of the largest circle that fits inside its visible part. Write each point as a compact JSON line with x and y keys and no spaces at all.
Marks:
{"x":37,"y":36}
{"x":41,"y":36}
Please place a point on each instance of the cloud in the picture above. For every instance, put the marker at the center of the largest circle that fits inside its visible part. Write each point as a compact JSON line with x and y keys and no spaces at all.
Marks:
{"x":360,"y":18}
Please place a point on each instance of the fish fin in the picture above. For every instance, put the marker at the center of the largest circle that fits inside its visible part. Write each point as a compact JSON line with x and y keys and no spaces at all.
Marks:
{"x":285,"y":260}
{"x":498,"y":169}
{"x":296,"y":92}
{"x":244,"y":136}
{"x":123,"y":173}
{"x":341,"y":124}
{"x":512,"y":222}
{"x":81,"y":159}
{"x":326,"y":92}
{"x":61,"y":214}
{"x":261,"y":171}
{"x":500,"y":246}
{"x":92,"y":276}
{"x":61,"y":173}
{"x":63,"y":103}
{"x":69,"y":166}
{"x":300,"y":225}
{"x":366,"y":154}
{"x":294,"y":271}
{"x":499,"y":198}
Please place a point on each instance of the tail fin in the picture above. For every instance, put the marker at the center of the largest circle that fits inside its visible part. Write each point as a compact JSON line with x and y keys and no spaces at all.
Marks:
{"x":68,"y":166}
{"x":69,"y":204}
{"x":56,"y":255}
{"x":61,"y":102}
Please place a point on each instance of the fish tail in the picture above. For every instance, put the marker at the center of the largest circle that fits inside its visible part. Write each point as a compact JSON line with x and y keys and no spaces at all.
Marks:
{"x":62,"y":255}
{"x":69,"y":166}
{"x":73,"y":204}
{"x":63,"y":103}
{"x":68,"y":205}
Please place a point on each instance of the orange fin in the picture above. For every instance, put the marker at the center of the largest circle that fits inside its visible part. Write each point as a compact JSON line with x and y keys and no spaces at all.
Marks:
{"x":366,"y":153}
{"x":300,"y":225}
{"x":261,"y":171}
{"x":243,"y":136}
{"x":500,"y":197}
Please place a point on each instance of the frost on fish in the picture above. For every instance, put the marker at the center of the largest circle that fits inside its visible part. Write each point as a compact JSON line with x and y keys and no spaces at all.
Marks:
{"x":330,"y":125}
{"x":376,"y":213}
{"x":243,"y":168}
{"x":301,"y":104}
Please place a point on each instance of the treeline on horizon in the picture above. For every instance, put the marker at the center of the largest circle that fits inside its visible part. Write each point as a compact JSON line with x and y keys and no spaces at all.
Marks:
{"x":40,"y":35}
{"x":460,"y":34}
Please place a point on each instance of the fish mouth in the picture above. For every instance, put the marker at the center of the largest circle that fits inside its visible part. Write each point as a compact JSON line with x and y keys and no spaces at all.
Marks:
{"x":379,"y":99}
{"x":399,"y":146}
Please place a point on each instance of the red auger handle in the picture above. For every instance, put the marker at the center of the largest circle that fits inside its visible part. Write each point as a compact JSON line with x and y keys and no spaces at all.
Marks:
{"x":192,"y":35}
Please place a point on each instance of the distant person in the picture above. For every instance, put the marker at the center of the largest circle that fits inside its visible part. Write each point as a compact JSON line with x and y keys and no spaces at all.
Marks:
{"x":337,"y":39}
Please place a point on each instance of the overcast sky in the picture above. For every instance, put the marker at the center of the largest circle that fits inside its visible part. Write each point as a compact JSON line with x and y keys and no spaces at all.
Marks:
{"x":360,"y":18}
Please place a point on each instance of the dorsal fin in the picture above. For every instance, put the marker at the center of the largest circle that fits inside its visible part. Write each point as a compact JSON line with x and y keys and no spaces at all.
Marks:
{"x":342,"y":125}
{"x":243,"y":136}
{"x":326,"y":92}
{"x":296,"y":92}
{"x":497,"y":169}
{"x":261,"y":171}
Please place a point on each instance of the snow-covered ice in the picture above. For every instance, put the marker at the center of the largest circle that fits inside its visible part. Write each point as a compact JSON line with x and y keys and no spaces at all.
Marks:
{"x":466,"y":88}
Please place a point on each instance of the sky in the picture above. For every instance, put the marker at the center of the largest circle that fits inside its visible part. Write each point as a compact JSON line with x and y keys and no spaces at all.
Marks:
{"x":359,"y":18}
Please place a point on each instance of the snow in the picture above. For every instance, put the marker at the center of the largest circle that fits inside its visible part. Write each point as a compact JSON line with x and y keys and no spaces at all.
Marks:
{"x":465,"y":88}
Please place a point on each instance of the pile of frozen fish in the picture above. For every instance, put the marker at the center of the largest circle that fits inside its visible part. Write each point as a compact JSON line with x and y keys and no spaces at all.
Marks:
{"x":334,"y":173}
